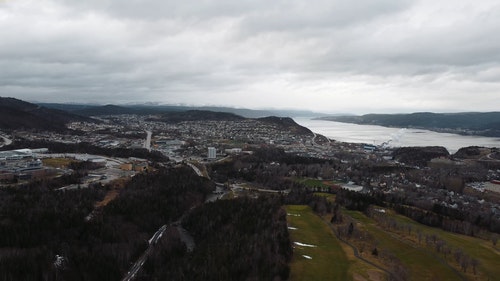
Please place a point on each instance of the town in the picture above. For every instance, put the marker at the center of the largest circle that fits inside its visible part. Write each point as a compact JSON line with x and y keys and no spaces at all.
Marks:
{"x":206,"y":141}
{"x":463,"y":186}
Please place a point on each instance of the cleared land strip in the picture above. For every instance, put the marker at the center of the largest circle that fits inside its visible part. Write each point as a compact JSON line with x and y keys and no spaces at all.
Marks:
{"x":318,"y":254}
{"x":354,"y":249}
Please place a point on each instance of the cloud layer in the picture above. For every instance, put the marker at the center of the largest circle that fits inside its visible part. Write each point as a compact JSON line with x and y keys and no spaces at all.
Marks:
{"x":331,"y":56}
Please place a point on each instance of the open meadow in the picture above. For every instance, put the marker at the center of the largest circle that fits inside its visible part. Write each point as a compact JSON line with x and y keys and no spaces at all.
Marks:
{"x":318,"y":254}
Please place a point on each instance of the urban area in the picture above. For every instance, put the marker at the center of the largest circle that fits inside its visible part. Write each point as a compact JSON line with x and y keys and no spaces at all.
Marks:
{"x":273,"y":156}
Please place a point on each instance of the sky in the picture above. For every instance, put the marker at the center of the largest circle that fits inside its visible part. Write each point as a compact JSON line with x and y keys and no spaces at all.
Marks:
{"x":333,"y":56}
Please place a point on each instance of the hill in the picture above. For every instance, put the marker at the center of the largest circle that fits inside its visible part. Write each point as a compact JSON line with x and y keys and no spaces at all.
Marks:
{"x":286,"y":124}
{"x":196,"y":115}
{"x":146,"y":109}
{"x":419,"y":155}
{"x":106,"y":110}
{"x":468,"y":123}
{"x":18,"y":114}
{"x":283,"y":123}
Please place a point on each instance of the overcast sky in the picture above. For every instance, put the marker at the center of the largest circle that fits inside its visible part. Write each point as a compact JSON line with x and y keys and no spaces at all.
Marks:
{"x":326,"y":55}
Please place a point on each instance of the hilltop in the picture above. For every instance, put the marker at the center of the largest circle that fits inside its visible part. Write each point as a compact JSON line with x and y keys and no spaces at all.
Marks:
{"x":197,"y":115}
{"x":287,"y":123}
{"x":18,"y":114}
{"x":147,"y":109}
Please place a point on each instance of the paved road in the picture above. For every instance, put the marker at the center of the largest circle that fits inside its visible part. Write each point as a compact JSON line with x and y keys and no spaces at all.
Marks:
{"x":195,"y":169}
{"x":314,"y":139}
{"x":137,"y":266}
{"x":147,"y":143}
{"x":6,"y":141}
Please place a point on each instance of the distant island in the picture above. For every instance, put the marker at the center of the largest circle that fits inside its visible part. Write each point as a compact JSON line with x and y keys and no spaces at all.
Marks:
{"x":466,"y":123}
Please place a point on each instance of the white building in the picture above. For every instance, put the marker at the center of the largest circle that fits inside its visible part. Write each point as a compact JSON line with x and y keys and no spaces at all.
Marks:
{"x":212,"y":153}
{"x":233,"y":150}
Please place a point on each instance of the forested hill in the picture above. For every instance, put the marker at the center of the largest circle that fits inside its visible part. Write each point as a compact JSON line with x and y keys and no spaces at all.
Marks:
{"x":147,"y":109}
{"x":473,"y":123}
{"x":286,"y":123}
{"x":16,"y":114}
{"x":197,"y":115}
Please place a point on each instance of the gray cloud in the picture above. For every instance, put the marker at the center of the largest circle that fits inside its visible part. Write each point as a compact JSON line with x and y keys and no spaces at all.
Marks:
{"x":362,"y":56}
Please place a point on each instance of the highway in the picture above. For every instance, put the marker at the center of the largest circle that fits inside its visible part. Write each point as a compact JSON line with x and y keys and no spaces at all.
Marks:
{"x":137,"y":266}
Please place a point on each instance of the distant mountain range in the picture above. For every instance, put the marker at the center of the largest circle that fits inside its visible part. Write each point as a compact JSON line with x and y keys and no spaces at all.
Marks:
{"x":467,"y":123}
{"x":18,"y":114}
{"x":146,"y":109}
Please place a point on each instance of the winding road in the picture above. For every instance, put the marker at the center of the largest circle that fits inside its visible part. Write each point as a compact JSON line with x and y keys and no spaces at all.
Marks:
{"x":6,"y":141}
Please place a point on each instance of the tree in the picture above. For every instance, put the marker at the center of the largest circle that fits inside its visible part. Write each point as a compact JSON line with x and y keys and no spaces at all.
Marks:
{"x":494,"y":239}
{"x":474,"y":263}
{"x":464,"y":263}
{"x":458,"y":254}
{"x":350,"y":229}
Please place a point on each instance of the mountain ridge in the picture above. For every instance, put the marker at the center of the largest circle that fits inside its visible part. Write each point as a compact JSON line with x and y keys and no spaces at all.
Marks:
{"x":146,"y":109}
{"x":464,"y":123}
{"x":19,"y":114}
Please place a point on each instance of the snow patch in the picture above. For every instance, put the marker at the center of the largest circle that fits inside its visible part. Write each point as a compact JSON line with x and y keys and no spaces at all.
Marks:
{"x":304,"y":245}
{"x":59,"y":262}
{"x":292,"y":228}
{"x":307,"y":257}
{"x":294,"y":215}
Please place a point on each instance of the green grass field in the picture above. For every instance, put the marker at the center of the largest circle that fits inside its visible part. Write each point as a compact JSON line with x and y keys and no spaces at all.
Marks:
{"x":329,"y":261}
{"x":329,"y":196}
{"x":309,"y":182}
{"x":487,"y":255}
{"x":57,"y":162}
{"x":421,"y":263}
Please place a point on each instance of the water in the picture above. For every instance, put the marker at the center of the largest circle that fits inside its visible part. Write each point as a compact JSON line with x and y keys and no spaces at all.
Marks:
{"x":394,"y":137}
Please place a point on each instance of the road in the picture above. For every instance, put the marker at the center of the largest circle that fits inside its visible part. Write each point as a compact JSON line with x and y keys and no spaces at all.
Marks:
{"x":6,"y":141}
{"x":147,"y":143}
{"x":137,"y":266}
{"x":195,"y":169}
{"x":314,"y":139}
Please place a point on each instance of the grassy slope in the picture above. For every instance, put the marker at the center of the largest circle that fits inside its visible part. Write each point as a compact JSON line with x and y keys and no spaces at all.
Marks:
{"x":332,"y":260}
{"x":329,"y":262}
{"x":488,"y":256}
{"x":309,"y":182}
{"x":421,"y":263}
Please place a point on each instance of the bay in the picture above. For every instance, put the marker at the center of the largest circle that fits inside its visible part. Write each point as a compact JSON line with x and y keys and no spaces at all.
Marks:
{"x":393,"y":137}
